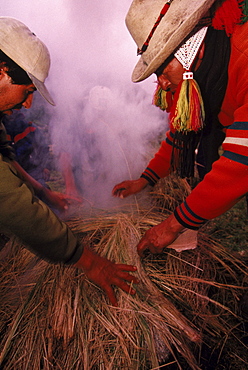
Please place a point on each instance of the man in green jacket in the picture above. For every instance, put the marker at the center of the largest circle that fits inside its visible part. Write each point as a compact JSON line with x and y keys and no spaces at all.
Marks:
{"x":24,"y":66}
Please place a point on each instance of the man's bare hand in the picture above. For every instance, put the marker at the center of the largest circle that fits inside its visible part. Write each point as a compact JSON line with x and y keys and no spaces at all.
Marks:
{"x":58,"y":200}
{"x":160,"y":236}
{"x":129,"y":187}
{"x":107,"y":274}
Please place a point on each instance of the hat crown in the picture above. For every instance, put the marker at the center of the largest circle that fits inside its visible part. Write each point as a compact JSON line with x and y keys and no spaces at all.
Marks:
{"x":180,"y":19}
{"x":24,"y":47}
{"x":27,"y":50}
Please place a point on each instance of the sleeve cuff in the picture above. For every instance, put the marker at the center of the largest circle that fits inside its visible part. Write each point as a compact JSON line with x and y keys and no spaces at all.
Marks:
{"x":187,"y":218}
{"x":150,"y":176}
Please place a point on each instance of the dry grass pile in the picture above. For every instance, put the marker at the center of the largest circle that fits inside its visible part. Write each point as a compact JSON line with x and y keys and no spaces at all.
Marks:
{"x":169,"y":192}
{"x":62,"y":321}
{"x":52,"y":317}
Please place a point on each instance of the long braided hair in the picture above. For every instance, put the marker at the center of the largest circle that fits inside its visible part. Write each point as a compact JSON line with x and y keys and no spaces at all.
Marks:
{"x":212,"y":78}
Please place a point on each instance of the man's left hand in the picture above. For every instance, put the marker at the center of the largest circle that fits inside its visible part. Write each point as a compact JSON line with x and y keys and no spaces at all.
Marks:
{"x":58,"y":200}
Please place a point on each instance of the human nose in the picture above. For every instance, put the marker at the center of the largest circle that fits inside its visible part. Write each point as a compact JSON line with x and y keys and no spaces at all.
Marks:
{"x":164,"y":82}
{"x":28,"y":102}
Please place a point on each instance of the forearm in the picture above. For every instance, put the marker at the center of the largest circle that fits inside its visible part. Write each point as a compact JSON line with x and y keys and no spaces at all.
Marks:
{"x":37,"y":187}
{"x":159,"y":166}
{"x":33,"y":222}
{"x":220,"y":189}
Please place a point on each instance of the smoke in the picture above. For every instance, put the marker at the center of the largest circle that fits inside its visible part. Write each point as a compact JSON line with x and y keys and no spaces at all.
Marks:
{"x":103,"y":124}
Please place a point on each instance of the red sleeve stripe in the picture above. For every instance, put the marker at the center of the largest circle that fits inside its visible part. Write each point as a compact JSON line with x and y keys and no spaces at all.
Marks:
{"x":186,"y":217}
{"x":238,"y":149}
{"x":237,"y":133}
{"x":150,"y":176}
{"x":235,"y":145}
{"x":24,"y":133}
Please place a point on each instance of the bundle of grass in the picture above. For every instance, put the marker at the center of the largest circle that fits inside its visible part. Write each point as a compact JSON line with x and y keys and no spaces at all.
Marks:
{"x":18,"y":272}
{"x":78,"y":315}
{"x":65,"y":322}
{"x":225,"y":269}
{"x":205,"y":284}
{"x":169,"y":192}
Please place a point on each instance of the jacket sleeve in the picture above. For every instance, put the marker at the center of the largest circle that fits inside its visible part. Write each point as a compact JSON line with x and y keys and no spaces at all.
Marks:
{"x":224,"y":185}
{"x":25,"y":216}
{"x":159,"y":166}
{"x":220,"y":189}
{"x":5,"y":149}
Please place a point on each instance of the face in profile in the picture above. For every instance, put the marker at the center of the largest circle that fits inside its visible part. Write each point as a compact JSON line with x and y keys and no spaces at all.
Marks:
{"x":170,"y":76}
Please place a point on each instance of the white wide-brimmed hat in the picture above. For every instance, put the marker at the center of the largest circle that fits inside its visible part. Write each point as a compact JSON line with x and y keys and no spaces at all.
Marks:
{"x":27,"y":50}
{"x":173,"y":28}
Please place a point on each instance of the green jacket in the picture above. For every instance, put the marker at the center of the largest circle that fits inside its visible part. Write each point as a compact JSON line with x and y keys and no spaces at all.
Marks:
{"x":31,"y":220}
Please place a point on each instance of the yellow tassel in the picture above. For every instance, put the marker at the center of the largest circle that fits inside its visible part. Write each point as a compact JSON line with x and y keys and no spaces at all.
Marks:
{"x":188,"y":113}
{"x":159,"y":98}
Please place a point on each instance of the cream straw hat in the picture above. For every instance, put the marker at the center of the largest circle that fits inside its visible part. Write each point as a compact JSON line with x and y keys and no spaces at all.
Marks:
{"x":180,"y":19}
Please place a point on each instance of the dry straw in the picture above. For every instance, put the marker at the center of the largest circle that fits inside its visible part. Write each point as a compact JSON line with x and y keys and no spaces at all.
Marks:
{"x":52,"y":317}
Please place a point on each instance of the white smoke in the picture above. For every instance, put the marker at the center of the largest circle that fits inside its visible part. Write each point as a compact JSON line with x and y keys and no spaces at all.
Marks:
{"x":102,"y":120}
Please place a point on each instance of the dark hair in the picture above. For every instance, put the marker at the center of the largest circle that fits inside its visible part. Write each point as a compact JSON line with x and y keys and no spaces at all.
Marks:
{"x":212,"y":74}
{"x":212,"y":77}
{"x":17,"y":74}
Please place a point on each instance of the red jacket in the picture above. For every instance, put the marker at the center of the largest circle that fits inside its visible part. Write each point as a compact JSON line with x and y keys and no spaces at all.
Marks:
{"x":227,"y":182}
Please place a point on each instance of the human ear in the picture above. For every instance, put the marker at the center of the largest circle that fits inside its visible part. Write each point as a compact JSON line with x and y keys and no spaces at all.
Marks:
{"x":201,"y":51}
{"x":199,"y":56}
{"x":3,"y":71}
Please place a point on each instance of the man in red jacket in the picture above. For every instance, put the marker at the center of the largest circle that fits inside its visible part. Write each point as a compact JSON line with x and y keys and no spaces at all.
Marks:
{"x":199,"y":51}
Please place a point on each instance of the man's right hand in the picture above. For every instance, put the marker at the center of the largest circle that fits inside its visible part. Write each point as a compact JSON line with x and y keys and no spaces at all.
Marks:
{"x":107,"y":274}
{"x":129,"y":187}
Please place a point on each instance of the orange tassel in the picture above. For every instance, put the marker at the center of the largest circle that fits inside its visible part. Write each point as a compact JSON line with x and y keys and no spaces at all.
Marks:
{"x":227,"y":16}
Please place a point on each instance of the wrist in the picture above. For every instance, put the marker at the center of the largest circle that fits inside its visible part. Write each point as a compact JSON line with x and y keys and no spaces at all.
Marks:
{"x":174,"y":225}
{"x":143,"y":182}
{"x":86,"y":260}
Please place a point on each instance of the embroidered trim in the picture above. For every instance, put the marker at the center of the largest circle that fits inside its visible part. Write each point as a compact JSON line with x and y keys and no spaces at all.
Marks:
{"x":187,"y":52}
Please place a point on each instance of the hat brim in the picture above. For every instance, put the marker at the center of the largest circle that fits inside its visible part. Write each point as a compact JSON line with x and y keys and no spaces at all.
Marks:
{"x":40,"y":86}
{"x":179,"y":21}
